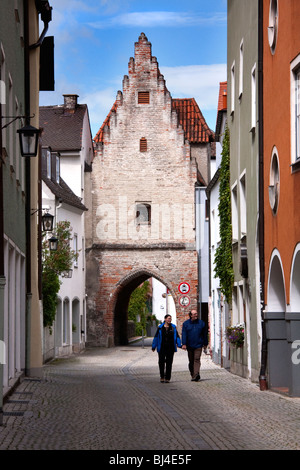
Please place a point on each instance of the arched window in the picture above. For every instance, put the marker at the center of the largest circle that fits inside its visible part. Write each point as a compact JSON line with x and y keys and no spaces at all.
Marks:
{"x":273,"y":25}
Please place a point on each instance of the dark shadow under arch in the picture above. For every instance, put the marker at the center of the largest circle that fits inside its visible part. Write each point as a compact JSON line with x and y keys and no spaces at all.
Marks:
{"x":125,"y":288}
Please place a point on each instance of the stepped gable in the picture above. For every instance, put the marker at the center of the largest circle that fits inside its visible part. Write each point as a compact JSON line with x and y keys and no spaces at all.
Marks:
{"x":189,"y":115}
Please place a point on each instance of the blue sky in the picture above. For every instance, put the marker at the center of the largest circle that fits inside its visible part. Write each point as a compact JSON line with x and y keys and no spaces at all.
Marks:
{"x":94,"y":41}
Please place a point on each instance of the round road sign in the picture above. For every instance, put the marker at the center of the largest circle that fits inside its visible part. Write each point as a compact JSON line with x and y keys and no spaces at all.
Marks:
{"x":184,"y":288}
{"x":184,"y":301}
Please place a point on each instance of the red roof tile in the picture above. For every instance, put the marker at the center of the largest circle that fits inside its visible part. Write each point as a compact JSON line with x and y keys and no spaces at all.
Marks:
{"x":222,"y":107}
{"x":193,"y":123}
{"x":222,"y":102}
{"x":99,"y":136}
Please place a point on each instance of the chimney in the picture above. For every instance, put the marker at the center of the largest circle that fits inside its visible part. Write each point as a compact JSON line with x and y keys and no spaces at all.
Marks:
{"x":70,"y":103}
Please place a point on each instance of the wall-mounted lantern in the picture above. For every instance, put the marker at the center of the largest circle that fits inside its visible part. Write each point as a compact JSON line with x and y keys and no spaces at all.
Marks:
{"x":47,"y":222}
{"x":53,"y":242}
{"x":29,"y":138}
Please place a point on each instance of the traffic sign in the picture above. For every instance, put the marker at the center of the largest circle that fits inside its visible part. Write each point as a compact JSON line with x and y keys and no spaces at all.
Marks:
{"x":184,"y":301}
{"x":184,"y":288}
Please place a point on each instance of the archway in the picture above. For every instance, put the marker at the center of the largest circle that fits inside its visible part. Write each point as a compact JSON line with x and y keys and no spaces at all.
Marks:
{"x":278,"y":354}
{"x":295,"y":282}
{"x":276,"y":289}
{"x":121,"y":301}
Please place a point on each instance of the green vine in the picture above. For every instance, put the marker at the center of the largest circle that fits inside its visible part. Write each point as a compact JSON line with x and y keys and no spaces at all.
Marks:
{"x":223,"y":257}
{"x":54,"y":264}
{"x":138,"y":307}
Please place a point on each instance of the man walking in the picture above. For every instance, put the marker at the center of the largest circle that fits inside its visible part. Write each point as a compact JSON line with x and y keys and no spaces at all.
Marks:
{"x":194,"y":338}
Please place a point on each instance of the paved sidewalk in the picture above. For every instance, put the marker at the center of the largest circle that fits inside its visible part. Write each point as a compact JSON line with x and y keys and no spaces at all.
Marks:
{"x":112,"y":399}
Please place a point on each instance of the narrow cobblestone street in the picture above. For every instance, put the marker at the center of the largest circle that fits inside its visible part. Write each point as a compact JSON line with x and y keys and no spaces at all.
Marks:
{"x":112,"y":399}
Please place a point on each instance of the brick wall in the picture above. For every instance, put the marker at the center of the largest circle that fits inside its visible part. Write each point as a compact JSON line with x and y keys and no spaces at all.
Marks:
{"x":121,"y":254}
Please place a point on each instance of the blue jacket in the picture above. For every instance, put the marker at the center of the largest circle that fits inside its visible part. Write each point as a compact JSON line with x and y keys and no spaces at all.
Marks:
{"x":194,"y":334}
{"x":156,"y":343}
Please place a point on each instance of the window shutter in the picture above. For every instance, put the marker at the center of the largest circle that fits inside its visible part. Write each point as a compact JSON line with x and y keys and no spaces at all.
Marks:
{"x":143,"y":145}
{"x":143,"y":97}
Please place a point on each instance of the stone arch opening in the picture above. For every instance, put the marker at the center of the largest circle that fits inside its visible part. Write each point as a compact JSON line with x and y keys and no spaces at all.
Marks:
{"x":120,"y":302}
{"x":276,"y":289}
{"x":295,"y":282}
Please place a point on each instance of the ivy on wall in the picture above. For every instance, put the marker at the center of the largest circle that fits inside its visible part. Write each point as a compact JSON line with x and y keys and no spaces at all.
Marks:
{"x":54,"y":264}
{"x":223,"y":257}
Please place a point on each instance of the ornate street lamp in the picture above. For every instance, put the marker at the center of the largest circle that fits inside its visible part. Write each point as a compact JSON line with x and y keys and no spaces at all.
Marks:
{"x":53,"y":241}
{"x":47,"y":222}
{"x":29,"y":137}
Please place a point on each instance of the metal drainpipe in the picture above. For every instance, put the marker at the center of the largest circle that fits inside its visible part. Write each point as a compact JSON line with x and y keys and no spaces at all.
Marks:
{"x":2,"y":277}
{"x":262,"y":375}
{"x":28,"y":190}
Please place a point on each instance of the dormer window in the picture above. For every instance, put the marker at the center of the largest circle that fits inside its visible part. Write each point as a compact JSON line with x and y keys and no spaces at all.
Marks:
{"x":57,"y":166}
{"x":48,"y":164}
{"x":143,"y":97}
{"x":143,"y":144}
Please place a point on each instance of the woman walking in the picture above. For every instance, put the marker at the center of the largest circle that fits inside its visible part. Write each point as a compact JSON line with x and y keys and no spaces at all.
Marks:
{"x":166,"y":341}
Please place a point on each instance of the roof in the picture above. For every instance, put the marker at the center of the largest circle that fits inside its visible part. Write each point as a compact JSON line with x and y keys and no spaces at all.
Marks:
{"x":63,"y":192}
{"x":222,"y":106}
{"x":189,"y":116}
{"x":99,"y":136}
{"x":62,"y":130}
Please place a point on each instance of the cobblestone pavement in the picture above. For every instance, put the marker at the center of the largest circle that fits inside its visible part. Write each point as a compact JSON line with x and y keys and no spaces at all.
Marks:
{"x":108,"y":399}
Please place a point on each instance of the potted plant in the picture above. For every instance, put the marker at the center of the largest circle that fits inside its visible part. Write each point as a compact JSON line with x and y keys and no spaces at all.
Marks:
{"x":236,"y":335}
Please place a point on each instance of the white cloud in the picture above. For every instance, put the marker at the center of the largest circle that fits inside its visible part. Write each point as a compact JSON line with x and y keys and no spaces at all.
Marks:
{"x":196,"y":81}
{"x":160,"y":18}
{"x":99,"y":104}
{"x":193,"y":81}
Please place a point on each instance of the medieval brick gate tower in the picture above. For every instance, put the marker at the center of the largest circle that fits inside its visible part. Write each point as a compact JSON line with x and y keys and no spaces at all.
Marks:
{"x":150,"y":153}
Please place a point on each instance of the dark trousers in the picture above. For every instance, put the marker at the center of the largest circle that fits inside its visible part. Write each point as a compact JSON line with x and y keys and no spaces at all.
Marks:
{"x":194,"y":356}
{"x":165,"y":361}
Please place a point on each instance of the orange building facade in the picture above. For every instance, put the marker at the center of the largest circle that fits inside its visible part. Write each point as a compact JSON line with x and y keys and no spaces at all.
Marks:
{"x":281,"y":150}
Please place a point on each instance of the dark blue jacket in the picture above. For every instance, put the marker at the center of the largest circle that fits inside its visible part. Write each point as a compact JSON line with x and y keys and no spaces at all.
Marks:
{"x":156,"y":343}
{"x":194,"y":334}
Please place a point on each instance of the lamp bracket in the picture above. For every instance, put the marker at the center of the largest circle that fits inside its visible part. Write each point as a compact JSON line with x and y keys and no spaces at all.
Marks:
{"x":14,"y":118}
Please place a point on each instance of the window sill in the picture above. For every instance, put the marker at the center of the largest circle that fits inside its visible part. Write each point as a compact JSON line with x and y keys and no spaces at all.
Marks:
{"x":295,"y":166}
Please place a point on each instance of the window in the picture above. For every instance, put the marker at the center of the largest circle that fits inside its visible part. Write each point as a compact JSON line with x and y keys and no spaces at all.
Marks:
{"x":232,"y":87}
{"x":48,"y":164}
{"x":143,"y":213}
{"x":273,"y":25}
{"x":241,"y":70}
{"x":243,"y":206}
{"x":143,"y":145}
{"x":75,"y":248}
{"x":253,"y":98}
{"x":143,"y":97}
{"x":3,"y":90}
{"x":295,"y":113}
{"x":57,"y":168}
{"x":274,"y":181}
{"x":11,"y":128}
{"x":234,"y":205}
